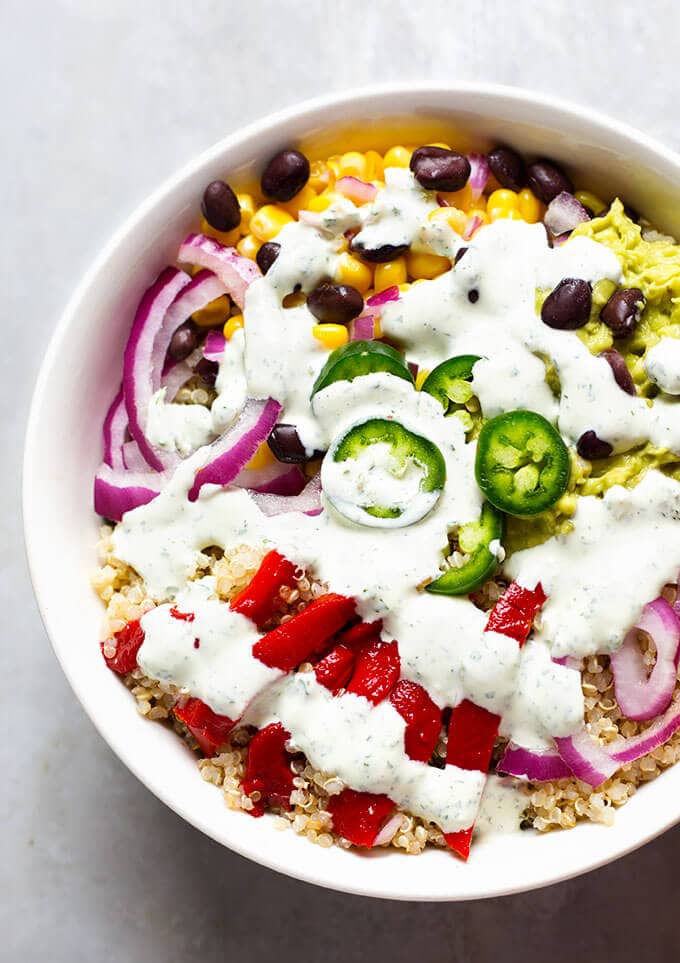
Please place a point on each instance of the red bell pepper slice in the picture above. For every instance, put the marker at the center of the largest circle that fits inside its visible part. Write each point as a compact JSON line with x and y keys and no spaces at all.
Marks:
{"x":423,"y":719}
{"x":473,"y":730}
{"x":129,"y":641}
{"x":356,"y":636}
{"x":359,"y":816}
{"x":209,"y":729}
{"x":268,"y":769}
{"x":376,"y":671}
{"x":306,"y":634}
{"x":258,"y":599}
{"x":335,"y":669}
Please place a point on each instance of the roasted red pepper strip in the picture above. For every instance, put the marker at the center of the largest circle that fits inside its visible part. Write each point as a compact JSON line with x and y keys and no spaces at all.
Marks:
{"x":209,"y":729}
{"x":268,"y":769}
{"x":257,"y":600}
{"x":356,"y":636}
{"x":359,"y":816}
{"x":306,"y":634}
{"x":473,"y":730}
{"x":128,"y":643}
{"x":423,"y":719}
{"x":335,"y":669}
{"x":376,"y":671}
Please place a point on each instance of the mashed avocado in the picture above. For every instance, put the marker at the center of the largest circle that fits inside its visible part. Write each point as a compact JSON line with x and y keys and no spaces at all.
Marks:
{"x":654,"y":267}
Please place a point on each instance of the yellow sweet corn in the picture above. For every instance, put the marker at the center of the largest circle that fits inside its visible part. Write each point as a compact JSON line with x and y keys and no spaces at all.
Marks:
{"x":389,"y":273}
{"x":321,"y":201}
{"x":331,"y":335}
{"x":529,"y":206}
{"x":397,"y":157}
{"x":248,"y":207}
{"x":228,"y":238}
{"x":320,"y":176}
{"x":455,"y":218}
{"x":217,"y":312}
{"x":232,"y":325}
{"x":262,"y":457}
{"x":374,"y":166}
{"x":504,"y":213}
{"x":268,"y":221}
{"x":426,"y":266}
{"x":300,"y":202}
{"x":248,"y":246}
{"x":353,"y":164}
{"x":352,"y":271}
{"x":503,"y":199}
{"x":590,"y":200}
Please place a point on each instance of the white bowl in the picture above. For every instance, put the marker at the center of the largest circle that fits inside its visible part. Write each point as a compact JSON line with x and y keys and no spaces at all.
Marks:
{"x":81,"y":372}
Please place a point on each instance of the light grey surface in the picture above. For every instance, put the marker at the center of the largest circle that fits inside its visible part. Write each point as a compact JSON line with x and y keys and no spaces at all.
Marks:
{"x":100,"y":102}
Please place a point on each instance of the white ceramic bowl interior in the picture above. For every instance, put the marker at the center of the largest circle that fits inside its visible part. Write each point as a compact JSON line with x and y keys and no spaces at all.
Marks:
{"x":82,"y":371}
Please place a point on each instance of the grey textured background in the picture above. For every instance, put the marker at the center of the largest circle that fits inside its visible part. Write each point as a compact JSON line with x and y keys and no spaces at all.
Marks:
{"x":101,"y":100}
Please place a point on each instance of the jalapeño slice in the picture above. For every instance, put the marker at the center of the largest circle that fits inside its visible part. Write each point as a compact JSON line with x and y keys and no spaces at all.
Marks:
{"x":474,"y":541}
{"x":361,"y":358}
{"x":522,"y":464}
{"x":383,"y":445}
{"x":449,"y":383}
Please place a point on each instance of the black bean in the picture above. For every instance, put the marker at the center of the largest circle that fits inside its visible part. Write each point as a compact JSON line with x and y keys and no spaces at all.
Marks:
{"x":439,"y":169}
{"x":285,"y":175}
{"x":622,"y":375}
{"x":459,"y":255}
{"x":183,"y":341}
{"x":337,"y":303}
{"x":378,"y":255}
{"x":473,"y":295}
{"x":547,"y":180}
{"x":591,"y":447}
{"x":508,"y":168}
{"x":622,"y":311}
{"x":267,"y":254}
{"x":285,"y":443}
{"x":567,"y":307}
{"x":207,"y":370}
{"x":220,"y":207}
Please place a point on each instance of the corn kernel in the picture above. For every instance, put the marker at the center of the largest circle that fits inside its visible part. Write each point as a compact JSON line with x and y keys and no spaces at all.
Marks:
{"x":503,"y":198}
{"x":268,"y":221}
{"x":217,"y":312}
{"x":440,"y":143}
{"x":247,"y":204}
{"x":590,"y":200}
{"x":228,"y":238}
{"x":232,"y":325}
{"x":300,"y":202}
{"x":426,"y":266}
{"x":320,"y":202}
{"x":354,"y":272}
{"x":248,"y":246}
{"x":333,"y":164}
{"x":481,"y":215}
{"x":421,"y":378}
{"x":374,"y":166}
{"x":389,"y":273}
{"x":504,"y":214}
{"x":461,"y":199}
{"x":353,"y":164}
{"x":455,"y":218}
{"x":331,"y":335}
{"x":262,"y":457}
{"x":529,"y":206}
{"x":397,"y":157}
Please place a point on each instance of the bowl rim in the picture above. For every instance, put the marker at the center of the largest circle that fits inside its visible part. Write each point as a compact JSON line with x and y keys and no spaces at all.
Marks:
{"x":354,"y":97}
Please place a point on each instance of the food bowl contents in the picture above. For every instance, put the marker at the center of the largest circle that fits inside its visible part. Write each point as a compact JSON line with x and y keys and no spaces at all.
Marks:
{"x":392,"y":497}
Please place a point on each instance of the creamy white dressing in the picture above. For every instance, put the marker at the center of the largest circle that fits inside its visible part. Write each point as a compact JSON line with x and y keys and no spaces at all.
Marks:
{"x":179,"y":428}
{"x":501,"y":808}
{"x":623,"y":549}
{"x":662,"y":363}
{"x":598,"y":577}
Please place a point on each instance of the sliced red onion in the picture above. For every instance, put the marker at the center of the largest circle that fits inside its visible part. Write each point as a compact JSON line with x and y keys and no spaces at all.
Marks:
{"x":273,"y":479}
{"x":535,"y":765}
{"x":641,"y":697}
{"x":308,"y":501}
{"x":114,"y":431}
{"x":358,"y":191}
{"x":473,"y":224}
{"x":628,"y":750}
{"x":364,"y":328}
{"x":133,"y":459}
{"x":237,"y":273}
{"x":117,"y":492}
{"x":384,"y":297}
{"x":213,"y":346}
{"x":570,"y":662}
{"x":479,"y":174}
{"x":137,"y":363}
{"x":233,"y":450}
{"x":203,"y":288}
{"x":312,"y":219}
{"x":389,"y":830}
{"x":174,"y":377}
{"x":564,"y":213}
{"x":586,"y":758}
